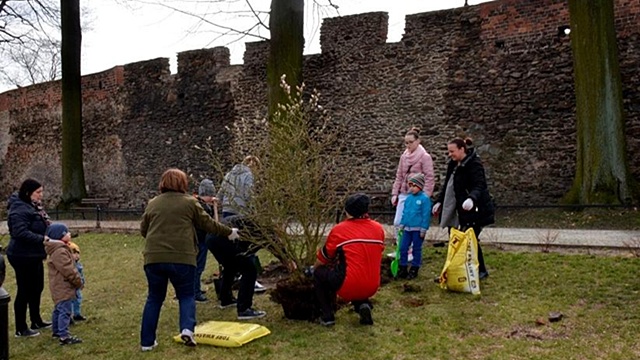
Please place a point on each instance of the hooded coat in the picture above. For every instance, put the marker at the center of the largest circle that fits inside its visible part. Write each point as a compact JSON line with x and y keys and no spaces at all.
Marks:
{"x":27,"y":228}
{"x":236,"y":188}
{"x":64,"y":278}
{"x":417,"y":162}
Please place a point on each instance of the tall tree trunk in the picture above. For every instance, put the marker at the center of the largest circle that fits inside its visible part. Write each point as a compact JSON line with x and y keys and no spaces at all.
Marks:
{"x":73,"y":186}
{"x":286,"y":24}
{"x":602,"y":172}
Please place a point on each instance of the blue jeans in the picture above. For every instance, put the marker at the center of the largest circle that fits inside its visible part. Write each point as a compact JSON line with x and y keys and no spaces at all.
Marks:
{"x":158,"y":277}
{"x":410,"y":238}
{"x":201,"y":261}
{"x":61,"y":318}
{"x":77,"y":303}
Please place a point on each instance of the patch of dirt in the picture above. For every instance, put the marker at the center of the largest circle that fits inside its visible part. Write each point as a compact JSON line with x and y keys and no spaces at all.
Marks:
{"x":541,"y":332}
{"x":411,"y":301}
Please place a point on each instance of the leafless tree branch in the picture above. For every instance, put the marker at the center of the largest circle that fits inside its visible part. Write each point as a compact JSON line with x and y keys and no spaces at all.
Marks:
{"x":256,"y":15}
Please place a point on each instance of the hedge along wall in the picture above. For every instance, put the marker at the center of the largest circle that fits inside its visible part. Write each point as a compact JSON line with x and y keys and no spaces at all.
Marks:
{"x":500,"y":72}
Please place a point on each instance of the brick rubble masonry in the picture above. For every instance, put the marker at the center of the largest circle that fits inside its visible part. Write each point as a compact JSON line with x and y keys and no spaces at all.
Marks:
{"x":500,"y":72}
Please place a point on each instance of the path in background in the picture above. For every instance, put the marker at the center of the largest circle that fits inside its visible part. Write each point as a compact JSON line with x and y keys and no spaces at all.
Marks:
{"x":545,"y":239}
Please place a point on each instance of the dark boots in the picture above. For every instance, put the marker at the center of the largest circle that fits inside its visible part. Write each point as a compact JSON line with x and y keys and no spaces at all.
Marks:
{"x":413,"y":273}
{"x":402,"y":272}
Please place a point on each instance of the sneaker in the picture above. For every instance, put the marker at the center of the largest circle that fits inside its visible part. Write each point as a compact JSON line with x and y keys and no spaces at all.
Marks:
{"x":70,"y":340}
{"x":227,"y":304}
{"x":259,"y":288}
{"x":42,"y":325}
{"x":79,"y":318}
{"x":187,"y":337}
{"x":365,"y":314}
{"x":55,"y":336}
{"x":149,"y":348}
{"x":484,"y":275}
{"x":201,"y":298}
{"x":251,"y":314}
{"x":27,"y":333}
{"x":327,"y":323}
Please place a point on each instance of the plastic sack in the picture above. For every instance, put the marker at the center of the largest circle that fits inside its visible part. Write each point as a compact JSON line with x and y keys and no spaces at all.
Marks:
{"x":227,"y":334}
{"x":460,"y":271}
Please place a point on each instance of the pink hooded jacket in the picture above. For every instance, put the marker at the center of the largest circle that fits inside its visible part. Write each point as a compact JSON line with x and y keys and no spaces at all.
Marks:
{"x":416,"y":162}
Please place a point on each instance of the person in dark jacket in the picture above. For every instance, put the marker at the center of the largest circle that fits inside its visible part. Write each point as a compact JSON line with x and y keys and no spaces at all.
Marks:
{"x":237,"y":257}
{"x":168,"y":227}
{"x":206,"y":197}
{"x":464,"y":199}
{"x":28,"y":222}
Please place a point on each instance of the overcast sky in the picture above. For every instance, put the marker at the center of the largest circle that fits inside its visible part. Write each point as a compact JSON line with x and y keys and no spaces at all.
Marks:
{"x":127,"y":31}
{"x":124,"y":34}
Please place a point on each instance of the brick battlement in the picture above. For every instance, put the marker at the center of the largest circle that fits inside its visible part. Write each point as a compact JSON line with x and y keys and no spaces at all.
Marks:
{"x":500,"y":72}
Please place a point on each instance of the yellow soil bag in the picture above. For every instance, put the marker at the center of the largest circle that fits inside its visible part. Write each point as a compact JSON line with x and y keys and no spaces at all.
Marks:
{"x":460,"y":271}
{"x":227,"y":334}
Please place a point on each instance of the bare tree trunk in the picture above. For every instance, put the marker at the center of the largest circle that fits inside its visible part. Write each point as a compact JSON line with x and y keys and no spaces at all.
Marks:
{"x":286,"y":23}
{"x":73,"y":186}
{"x":602,"y":172}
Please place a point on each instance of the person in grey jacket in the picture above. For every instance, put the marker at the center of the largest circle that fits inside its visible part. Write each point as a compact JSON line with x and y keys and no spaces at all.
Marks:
{"x":237,"y":186}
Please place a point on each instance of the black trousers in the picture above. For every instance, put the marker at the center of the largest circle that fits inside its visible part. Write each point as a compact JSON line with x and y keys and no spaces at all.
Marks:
{"x":481,"y":268}
{"x":327,"y":282}
{"x":233,"y":262}
{"x":30,"y":283}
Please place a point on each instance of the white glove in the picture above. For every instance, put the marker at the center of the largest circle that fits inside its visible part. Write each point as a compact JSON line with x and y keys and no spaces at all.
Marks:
{"x":436,"y":208}
{"x":234,"y":234}
{"x":394,"y":200}
{"x":467,"y":204}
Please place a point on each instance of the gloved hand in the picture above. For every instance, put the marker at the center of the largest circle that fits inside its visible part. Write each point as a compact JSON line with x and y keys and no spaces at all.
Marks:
{"x":394,"y":200}
{"x":436,"y":208}
{"x":467,"y":204}
{"x":234,"y":234}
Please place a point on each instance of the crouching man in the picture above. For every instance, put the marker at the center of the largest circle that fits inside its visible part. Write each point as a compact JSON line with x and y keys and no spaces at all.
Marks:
{"x":348,"y":265}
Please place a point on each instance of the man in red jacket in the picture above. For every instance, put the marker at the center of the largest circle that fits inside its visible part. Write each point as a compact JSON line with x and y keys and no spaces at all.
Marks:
{"x":348,"y":265}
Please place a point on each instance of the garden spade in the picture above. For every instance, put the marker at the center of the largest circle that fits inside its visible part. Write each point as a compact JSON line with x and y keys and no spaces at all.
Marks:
{"x":396,"y":261}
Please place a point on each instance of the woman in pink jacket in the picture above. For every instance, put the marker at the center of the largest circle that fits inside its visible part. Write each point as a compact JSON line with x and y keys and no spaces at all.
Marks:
{"x":414,"y":160}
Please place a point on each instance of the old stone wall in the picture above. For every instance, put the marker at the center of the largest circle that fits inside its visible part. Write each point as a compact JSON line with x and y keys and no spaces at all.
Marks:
{"x":499,"y":72}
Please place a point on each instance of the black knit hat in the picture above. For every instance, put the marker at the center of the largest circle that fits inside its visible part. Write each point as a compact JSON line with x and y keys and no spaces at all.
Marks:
{"x":357,"y":205}
{"x":27,"y":188}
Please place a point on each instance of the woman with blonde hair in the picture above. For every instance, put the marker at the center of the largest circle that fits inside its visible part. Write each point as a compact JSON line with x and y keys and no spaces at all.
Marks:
{"x":414,"y":160}
{"x":169,"y":227}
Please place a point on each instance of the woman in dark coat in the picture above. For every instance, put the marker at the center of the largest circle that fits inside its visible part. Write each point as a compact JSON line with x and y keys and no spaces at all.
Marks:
{"x":27,"y":224}
{"x":464,"y":198}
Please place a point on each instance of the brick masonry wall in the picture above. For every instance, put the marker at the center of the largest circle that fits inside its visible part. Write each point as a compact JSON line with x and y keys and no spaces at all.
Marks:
{"x":499,"y":72}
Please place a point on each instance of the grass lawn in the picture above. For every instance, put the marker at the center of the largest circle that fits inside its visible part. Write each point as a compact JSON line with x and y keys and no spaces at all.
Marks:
{"x":599,"y":297}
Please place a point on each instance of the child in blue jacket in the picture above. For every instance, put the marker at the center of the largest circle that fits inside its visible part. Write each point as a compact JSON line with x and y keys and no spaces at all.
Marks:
{"x":77,"y":303}
{"x":415,"y":223}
